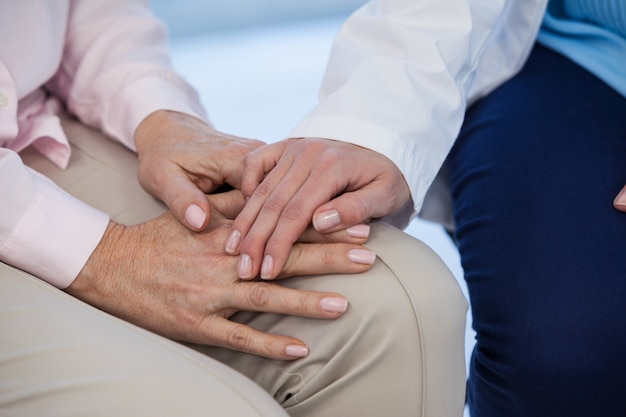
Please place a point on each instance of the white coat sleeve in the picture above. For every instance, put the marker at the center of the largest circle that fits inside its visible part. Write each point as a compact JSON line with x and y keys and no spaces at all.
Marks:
{"x":401,"y":73}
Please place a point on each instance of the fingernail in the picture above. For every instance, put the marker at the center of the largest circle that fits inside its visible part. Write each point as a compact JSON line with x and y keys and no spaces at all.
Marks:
{"x":245,"y":266}
{"x":267,"y":267}
{"x":620,"y":200}
{"x":360,"y":230}
{"x":297,"y":351}
{"x":362,"y":256}
{"x":195,"y":216}
{"x":232,"y":243}
{"x":334,"y":304}
{"x":326,"y":220}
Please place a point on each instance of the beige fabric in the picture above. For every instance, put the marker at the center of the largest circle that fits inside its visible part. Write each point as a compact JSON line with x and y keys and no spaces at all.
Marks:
{"x":398,"y":351}
{"x":60,"y":357}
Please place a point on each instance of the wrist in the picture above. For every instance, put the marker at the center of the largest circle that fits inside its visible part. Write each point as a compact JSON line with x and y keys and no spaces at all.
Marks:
{"x":92,"y":279}
{"x":161,"y":121}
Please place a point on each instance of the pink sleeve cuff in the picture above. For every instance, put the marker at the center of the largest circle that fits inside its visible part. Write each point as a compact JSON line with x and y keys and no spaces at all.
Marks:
{"x":56,"y":234}
{"x":145,"y":96}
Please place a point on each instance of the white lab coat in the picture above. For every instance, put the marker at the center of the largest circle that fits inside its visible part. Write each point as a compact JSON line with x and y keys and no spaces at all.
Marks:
{"x":402,"y":73}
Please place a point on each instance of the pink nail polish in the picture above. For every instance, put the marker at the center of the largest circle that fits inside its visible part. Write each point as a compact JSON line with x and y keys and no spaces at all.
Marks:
{"x":360,"y":230}
{"x":245,"y":267}
{"x":326,"y":220}
{"x":334,"y":304}
{"x":362,"y":256}
{"x":267,"y":267}
{"x":233,"y":241}
{"x":297,"y":351}
{"x":195,"y":216}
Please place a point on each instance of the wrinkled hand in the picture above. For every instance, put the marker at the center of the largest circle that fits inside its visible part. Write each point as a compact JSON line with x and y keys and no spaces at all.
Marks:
{"x":181,"y":158}
{"x":336,"y":184}
{"x":182,"y":285}
{"x":620,"y":201}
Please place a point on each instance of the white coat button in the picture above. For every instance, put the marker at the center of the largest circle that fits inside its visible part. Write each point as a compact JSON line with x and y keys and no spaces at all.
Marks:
{"x":4,"y":100}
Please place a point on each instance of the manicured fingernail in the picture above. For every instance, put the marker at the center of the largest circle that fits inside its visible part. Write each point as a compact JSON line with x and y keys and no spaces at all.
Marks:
{"x":326,"y":220}
{"x":362,"y":256}
{"x":297,"y":351}
{"x":245,"y":267}
{"x":360,"y":230}
{"x":334,"y":304}
{"x":195,"y":216}
{"x":267,"y":267}
{"x":232,"y":243}
{"x":620,"y":200}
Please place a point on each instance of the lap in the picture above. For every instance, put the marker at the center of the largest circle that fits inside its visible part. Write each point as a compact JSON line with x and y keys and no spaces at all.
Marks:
{"x":398,"y":349}
{"x":403,"y":333}
{"x":59,"y":356}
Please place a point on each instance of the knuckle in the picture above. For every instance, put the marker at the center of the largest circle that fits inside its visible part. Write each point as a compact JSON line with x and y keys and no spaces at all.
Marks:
{"x":294,"y":211}
{"x":304,"y":256}
{"x":238,"y":338}
{"x":176,"y":201}
{"x":310,"y":146}
{"x":155,"y":180}
{"x":274,"y":205}
{"x":325,"y":156}
{"x":251,"y":161}
{"x":305,"y":299}
{"x":236,"y":149}
{"x":359,"y":206}
{"x":391,"y":197}
{"x":188,"y":320}
{"x":252,"y":245}
{"x":259,"y":296}
{"x":330,"y":158}
{"x":264,"y":189}
{"x":328,"y":255}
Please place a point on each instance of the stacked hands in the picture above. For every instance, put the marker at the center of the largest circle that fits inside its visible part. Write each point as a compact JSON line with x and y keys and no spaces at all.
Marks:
{"x":177,"y":274}
{"x":299,"y":207}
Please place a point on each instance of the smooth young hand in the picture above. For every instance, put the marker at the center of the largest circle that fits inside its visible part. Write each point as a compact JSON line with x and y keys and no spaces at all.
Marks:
{"x":337,"y":185}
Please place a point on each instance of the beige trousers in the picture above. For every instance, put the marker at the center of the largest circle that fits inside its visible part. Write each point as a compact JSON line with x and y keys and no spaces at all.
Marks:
{"x":398,"y":351}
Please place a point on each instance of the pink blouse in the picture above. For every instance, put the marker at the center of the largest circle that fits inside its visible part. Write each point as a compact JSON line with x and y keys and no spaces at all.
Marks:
{"x":107,"y":62}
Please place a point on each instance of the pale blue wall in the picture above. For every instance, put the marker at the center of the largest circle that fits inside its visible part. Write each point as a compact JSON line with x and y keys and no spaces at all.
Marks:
{"x":189,"y":17}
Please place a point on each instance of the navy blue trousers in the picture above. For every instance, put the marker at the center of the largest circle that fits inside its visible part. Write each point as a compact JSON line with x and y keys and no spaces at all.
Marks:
{"x":533,"y":177}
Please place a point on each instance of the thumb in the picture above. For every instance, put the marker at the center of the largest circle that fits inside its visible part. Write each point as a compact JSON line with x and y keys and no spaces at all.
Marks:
{"x":187,"y":202}
{"x":344,"y":211}
{"x":258,"y":163}
{"x":373,"y":201}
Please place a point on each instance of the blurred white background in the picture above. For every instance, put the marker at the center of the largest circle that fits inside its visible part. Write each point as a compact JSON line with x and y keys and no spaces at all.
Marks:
{"x":257,"y":67}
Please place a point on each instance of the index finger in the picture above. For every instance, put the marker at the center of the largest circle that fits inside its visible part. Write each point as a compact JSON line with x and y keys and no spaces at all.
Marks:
{"x":256,"y":196}
{"x":275,"y":232}
{"x":258,"y":163}
{"x":277,"y":210}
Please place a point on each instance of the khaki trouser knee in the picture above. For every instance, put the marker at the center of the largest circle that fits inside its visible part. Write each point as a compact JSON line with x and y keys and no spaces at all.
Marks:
{"x":398,"y":350}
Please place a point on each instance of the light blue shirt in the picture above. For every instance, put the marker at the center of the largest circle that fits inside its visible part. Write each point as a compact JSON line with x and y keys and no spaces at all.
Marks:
{"x":591,"y":33}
